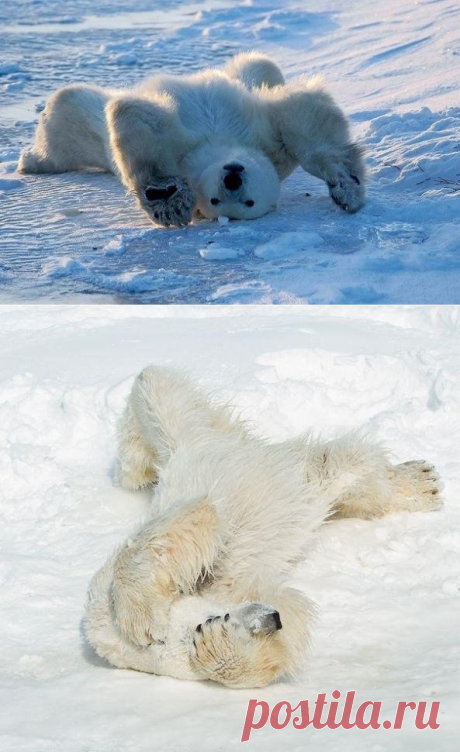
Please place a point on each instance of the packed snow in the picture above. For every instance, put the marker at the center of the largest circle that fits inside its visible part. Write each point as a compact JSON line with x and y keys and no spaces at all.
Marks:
{"x":393,"y":67}
{"x":387,"y":590}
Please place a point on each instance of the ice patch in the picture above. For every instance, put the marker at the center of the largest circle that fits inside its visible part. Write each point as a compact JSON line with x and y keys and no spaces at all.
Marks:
{"x":131,"y":282}
{"x":288,"y":244}
{"x":71,"y":211}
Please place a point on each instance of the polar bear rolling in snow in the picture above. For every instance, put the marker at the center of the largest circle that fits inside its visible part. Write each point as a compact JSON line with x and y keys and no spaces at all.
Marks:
{"x":215,"y":143}
{"x":200,"y":590}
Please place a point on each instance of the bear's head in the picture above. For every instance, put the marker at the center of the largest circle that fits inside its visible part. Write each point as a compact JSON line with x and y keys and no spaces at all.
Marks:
{"x":234,"y":182}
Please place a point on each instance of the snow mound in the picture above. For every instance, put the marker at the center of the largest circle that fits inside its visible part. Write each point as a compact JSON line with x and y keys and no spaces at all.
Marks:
{"x":10,"y":185}
{"x":418,"y":151}
{"x":217,"y":252}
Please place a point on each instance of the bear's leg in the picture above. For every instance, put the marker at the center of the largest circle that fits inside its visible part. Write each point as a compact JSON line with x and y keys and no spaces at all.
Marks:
{"x":71,"y":133}
{"x":254,"y":70}
{"x":315,"y":133}
{"x":363,"y":483}
{"x":164,"y":408}
{"x":167,"y":558}
{"x":148,"y":142}
{"x":137,"y":460}
{"x":412,"y":486}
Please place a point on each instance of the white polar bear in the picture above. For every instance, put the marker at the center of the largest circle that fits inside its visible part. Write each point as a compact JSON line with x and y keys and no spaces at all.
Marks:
{"x":200,"y":590}
{"x":217,"y":143}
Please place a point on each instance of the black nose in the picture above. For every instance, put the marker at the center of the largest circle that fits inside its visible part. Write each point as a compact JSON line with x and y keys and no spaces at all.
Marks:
{"x":277,"y":620}
{"x":233,"y":181}
{"x":270,"y":623}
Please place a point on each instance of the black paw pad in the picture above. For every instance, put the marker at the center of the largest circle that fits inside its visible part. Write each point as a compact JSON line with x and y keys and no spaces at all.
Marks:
{"x":160,"y":194}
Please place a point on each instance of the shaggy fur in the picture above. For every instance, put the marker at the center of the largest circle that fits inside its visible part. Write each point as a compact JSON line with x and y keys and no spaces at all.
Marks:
{"x":200,"y":590}
{"x":217,"y":143}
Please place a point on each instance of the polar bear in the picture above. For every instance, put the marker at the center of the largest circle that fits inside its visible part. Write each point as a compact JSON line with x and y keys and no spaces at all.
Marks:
{"x":215,"y":143}
{"x":200,"y":590}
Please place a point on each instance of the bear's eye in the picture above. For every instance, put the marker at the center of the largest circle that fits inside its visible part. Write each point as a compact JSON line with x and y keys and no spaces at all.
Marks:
{"x":215,"y":201}
{"x":249,"y":203}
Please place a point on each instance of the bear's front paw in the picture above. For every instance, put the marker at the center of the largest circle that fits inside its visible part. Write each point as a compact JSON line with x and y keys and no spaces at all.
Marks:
{"x":218,"y":650}
{"x":347,"y":191}
{"x":169,"y":202}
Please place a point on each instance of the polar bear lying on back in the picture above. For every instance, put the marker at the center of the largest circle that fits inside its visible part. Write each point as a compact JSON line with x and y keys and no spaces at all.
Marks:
{"x":218,"y":142}
{"x":200,"y":590}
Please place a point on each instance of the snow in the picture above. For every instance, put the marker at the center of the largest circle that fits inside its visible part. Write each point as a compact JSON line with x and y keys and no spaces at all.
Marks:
{"x":10,"y":185}
{"x":387,"y":590}
{"x":394,"y":69}
{"x":219,"y":253}
{"x":288,"y":244}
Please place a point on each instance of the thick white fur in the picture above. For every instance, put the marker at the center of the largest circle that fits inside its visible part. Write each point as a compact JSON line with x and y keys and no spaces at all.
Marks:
{"x":230,"y":516}
{"x":170,"y":138}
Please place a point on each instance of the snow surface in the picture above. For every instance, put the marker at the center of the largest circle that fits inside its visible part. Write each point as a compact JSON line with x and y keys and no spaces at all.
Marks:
{"x":388,"y":590}
{"x":393,"y":66}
